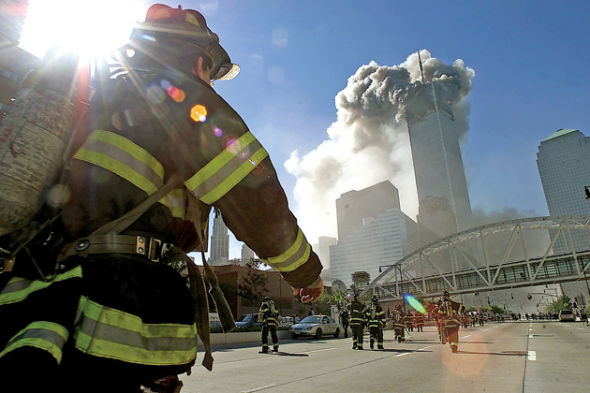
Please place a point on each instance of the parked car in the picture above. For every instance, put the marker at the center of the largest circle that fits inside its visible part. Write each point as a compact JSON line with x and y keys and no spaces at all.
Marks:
{"x":566,"y":315}
{"x":214,"y":321}
{"x":315,"y":326}
{"x":286,"y":321}
{"x":247,"y":320}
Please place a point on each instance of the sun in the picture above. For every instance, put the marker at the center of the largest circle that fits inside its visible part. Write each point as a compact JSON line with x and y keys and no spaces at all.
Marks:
{"x":91,"y":28}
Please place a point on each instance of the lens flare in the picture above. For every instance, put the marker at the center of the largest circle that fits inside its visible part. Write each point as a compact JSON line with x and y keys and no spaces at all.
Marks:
{"x":414,"y":303}
{"x":199,"y":113}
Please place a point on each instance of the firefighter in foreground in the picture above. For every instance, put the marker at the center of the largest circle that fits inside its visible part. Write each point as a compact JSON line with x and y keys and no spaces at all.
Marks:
{"x":357,"y":322}
{"x":113,"y":314}
{"x":450,"y":313}
{"x":268,"y":316}
{"x":375,"y":317}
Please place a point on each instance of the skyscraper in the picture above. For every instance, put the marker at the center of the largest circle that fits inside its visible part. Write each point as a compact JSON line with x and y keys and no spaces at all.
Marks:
{"x":247,"y":254}
{"x":563,"y":160}
{"x":443,"y":199}
{"x":219,"y":242}
{"x":354,"y":206}
{"x":383,"y":240}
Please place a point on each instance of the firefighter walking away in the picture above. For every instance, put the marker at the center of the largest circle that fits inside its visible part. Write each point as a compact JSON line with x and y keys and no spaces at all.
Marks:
{"x":268,"y":316}
{"x":357,"y":322}
{"x":375,"y":317}
{"x":399,"y":323}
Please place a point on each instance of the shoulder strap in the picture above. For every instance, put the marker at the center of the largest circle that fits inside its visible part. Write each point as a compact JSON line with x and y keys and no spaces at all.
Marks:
{"x":123,"y":222}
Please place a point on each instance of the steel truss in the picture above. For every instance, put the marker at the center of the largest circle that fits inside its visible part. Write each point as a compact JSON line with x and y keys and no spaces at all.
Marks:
{"x":510,"y":254}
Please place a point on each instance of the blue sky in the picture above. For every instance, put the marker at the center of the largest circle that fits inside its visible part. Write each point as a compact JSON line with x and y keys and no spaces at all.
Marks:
{"x":530,"y":60}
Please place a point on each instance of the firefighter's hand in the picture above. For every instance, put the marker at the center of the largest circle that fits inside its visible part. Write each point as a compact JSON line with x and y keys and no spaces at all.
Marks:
{"x":311,"y":293}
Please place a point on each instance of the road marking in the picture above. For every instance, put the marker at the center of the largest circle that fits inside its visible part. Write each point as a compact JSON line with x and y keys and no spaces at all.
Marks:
{"x":530,"y":336}
{"x":320,"y":350}
{"x":469,"y":335}
{"x":257,"y":389}
{"x":485,"y":330}
{"x":532,"y":355}
{"x":411,"y":352}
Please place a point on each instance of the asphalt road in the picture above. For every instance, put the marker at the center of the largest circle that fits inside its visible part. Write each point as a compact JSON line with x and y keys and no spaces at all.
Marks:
{"x":530,"y":357}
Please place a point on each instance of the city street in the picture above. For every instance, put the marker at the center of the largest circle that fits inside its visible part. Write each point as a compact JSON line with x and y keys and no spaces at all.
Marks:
{"x":526,"y":356}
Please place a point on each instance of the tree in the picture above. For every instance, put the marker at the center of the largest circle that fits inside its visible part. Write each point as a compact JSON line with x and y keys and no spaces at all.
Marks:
{"x":253,"y":286}
{"x":563,"y":303}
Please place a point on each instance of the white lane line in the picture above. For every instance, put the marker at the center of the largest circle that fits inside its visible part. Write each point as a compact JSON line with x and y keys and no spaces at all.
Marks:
{"x":320,"y":350}
{"x":485,"y":330}
{"x":469,"y":335}
{"x":532,"y":355}
{"x":409,"y":353}
{"x":257,"y":389}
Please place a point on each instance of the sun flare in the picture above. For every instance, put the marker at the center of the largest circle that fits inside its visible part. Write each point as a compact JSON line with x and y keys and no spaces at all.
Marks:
{"x":91,"y":28}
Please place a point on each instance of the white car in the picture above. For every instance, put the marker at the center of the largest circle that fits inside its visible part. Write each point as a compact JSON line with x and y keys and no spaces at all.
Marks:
{"x":566,"y":315}
{"x":315,"y":326}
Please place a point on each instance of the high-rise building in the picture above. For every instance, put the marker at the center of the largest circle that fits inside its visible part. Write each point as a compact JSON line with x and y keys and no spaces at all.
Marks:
{"x":247,"y":253}
{"x":219,"y":242}
{"x":355,"y":206}
{"x":322,"y":248}
{"x":563,"y":160}
{"x":438,"y":166}
{"x":383,"y":240}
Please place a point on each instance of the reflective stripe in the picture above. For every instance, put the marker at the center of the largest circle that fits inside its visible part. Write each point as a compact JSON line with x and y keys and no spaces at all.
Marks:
{"x":114,"y":334}
{"x":48,"y":336}
{"x":226,"y":170}
{"x":123,"y":157}
{"x":294,"y":257}
{"x":176,"y":202}
{"x":19,"y":288}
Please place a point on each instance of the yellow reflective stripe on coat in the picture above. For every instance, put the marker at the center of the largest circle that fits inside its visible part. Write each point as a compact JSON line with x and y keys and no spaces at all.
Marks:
{"x":17,"y":289}
{"x":109,"y":333}
{"x":45,"y":335}
{"x":295,"y":256}
{"x":227,"y":169}
{"x":123,"y":157}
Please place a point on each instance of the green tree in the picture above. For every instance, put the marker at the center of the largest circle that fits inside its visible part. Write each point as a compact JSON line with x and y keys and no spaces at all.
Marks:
{"x":562,"y":303}
{"x":253,"y":286}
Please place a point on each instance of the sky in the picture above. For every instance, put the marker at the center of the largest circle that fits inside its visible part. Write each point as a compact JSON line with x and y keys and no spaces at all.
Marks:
{"x":526,"y":60}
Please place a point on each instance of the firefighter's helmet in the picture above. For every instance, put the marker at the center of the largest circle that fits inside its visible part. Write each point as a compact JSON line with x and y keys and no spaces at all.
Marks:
{"x":375,"y":299}
{"x":189,"y":27}
{"x":445,"y":294}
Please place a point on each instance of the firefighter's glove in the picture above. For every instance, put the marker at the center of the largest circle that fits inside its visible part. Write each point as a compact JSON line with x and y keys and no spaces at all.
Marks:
{"x":311,"y":293}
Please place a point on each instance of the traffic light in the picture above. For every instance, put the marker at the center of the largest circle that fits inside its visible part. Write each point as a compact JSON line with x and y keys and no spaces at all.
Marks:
{"x":587,"y":192}
{"x":512,"y":295}
{"x":529,"y":297}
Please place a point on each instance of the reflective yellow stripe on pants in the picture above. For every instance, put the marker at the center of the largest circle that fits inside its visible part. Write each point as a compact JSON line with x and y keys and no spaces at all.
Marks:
{"x":48,"y":336}
{"x":108,"y":333}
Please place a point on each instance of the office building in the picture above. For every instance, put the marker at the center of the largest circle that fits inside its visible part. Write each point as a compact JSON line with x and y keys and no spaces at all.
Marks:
{"x":247,"y":254}
{"x":355,"y":206}
{"x":439,"y":172}
{"x":563,"y":160}
{"x":322,"y":249}
{"x":219,"y":242}
{"x":383,"y":240}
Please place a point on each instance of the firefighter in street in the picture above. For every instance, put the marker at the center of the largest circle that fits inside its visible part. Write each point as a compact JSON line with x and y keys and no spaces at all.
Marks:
{"x":419,"y":322}
{"x":344,"y":320}
{"x":399,"y":323}
{"x":375,"y":317}
{"x":357,"y":322}
{"x":97,"y":303}
{"x":450,"y":312}
{"x":268,"y":316}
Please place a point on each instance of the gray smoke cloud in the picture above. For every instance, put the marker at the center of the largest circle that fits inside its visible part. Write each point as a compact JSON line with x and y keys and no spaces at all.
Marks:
{"x":369,"y":142}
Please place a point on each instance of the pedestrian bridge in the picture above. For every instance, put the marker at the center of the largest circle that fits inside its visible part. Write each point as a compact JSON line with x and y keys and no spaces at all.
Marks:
{"x":509,"y":254}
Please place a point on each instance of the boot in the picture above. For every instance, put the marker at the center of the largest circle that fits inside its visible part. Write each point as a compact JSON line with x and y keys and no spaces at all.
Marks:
{"x":372,"y":344}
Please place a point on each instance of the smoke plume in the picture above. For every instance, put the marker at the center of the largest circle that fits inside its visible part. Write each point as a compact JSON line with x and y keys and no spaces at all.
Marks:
{"x":369,"y":143}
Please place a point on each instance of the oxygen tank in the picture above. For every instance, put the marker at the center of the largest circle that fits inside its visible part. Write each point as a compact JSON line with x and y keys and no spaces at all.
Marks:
{"x":34,"y":136}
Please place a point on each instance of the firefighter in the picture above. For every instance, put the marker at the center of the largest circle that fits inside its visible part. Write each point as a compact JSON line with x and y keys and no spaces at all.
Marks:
{"x":268,"y":316}
{"x":375,"y":317}
{"x":109,"y":312}
{"x":450,"y":312}
{"x":344,"y":320}
{"x":357,"y":322}
{"x":419,"y":322}
{"x":399,"y":323}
